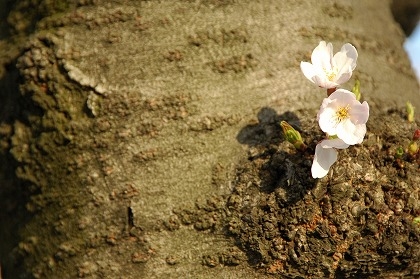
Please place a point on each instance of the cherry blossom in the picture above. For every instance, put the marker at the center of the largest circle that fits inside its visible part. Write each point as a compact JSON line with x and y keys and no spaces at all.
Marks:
{"x":344,"y":116}
{"x":328,"y":71}
{"x":325,"y":156}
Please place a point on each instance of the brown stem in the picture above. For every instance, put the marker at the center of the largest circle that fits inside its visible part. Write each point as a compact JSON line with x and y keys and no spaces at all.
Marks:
{"x":331,"y":90}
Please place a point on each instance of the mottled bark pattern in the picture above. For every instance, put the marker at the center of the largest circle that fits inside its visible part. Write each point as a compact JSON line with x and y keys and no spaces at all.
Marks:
{"x":136,"y":137}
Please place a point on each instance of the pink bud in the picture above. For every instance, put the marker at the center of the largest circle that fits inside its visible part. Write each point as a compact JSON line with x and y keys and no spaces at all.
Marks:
{"x":416,"y":135}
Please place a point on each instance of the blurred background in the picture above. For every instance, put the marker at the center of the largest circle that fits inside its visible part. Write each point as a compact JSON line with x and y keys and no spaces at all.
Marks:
{"x":407,"y":14}
{"x":412,"y":46}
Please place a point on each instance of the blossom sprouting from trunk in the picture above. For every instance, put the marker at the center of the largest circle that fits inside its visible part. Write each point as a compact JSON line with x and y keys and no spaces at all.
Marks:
{"x":325,"y":156}
{"x":328,"y":71}
{"x":343,"y":116}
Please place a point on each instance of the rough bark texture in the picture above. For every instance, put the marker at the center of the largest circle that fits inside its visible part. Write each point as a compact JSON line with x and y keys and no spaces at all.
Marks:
{"x":127,"y":128}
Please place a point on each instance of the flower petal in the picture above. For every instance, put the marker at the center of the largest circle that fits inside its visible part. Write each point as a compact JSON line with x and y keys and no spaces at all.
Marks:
{"x":347,"y":56}
{"x":328,"y":70}
{"x":327,"y":121}
{"x":351,"y":53}
{"x":322,"y":81}
{"x":345,"y":63}
{"x":308,"y":70}
{"x":349,"y":127}
{"x":360,"y":132}
{"x":334,"y":143}
{"x":343,"y":96}
{"x":323,"y":160}
{"x":351,"y":133}
{"x":343,"y":76}
{"x":322,"y":56}
{"x":359,"y":113}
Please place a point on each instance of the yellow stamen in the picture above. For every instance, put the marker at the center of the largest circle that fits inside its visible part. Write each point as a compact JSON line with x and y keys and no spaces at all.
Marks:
{"x":342,"y":113}
{"x":330,"y":74}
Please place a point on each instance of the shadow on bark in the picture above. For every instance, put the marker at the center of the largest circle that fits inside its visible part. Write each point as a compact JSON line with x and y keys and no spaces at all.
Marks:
{"x":267,"y":131}
{"x":14,"y":193}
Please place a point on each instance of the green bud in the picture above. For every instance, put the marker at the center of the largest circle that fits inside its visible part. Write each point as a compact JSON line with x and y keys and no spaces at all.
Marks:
{"x":416,"y":220}
{"x":356,"y":90}
{"x":292,"y":136}
{"x":399,"y":152}
{"x":410,"y":111}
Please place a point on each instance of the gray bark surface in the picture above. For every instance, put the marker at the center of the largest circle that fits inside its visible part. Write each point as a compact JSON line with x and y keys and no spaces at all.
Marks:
{"x":129,"y":110}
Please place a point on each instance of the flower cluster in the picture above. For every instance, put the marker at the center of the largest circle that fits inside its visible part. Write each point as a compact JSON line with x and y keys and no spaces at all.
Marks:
{"x":341,"y":116}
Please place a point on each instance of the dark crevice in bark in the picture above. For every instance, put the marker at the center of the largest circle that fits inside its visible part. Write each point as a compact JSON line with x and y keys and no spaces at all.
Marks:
{"x":406,"y":13}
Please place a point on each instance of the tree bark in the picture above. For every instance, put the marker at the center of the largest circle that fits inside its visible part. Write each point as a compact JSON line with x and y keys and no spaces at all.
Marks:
{"x":130,"y":110}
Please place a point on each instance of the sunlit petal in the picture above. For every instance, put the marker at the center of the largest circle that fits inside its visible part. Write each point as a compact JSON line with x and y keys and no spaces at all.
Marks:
{"x":330,"y":71}
{"x":327,"y":121}
{"x":323,"y":160}
{"x":334,"y":143}
{"x":342,"y":115}
{"x":308,"y":70}
{"x":360,"y":113}
{"x":322,"y":55}
{"x":348,"y":133}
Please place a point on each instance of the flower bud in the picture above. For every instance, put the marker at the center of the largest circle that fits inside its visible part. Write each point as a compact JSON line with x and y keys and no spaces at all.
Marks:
{"x":412,"y":148}
{"x":292,"y":136}
{"x":416,"y":135}
{"x":399,"y":152}
{"x":356,"y":90}
{"x":410,"y":112}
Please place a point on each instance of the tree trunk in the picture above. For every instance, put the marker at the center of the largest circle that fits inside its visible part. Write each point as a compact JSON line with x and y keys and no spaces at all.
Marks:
{"x":121,"y":117}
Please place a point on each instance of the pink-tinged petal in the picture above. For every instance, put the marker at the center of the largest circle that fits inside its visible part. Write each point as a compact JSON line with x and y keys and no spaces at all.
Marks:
{"x":343,"y":76}
{"x":322,"y":55}
{"x":308,"y":70}
{"x":343,"y":96}
{"x":327,"y":121}
{"x":322,"y":81}
{"x":345,"y":131}
{"x":320,"y":78}
{"x":359,"y":113}
{"x":328,"y":70}
{"x":342,"y":115}
{"x":324,"y":105}
{"x":360,"y":132}
{"x":346,"y":58}
{"x":323,"y":160}
{"x":351,"y":53}
{"x":334,"y":143}
{"x":342,"y":63}
{"x":329,"y":84}
{"x":349,"y":133}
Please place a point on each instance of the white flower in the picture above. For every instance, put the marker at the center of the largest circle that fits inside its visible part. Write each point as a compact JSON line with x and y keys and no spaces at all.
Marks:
{"x":330,"y":71}
{"x":325,"y":156}
{"x":342,"y":115}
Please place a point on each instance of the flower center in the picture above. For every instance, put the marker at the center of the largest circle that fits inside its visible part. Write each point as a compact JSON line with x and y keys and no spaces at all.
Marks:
{"x":330,"y":74}
{"x":342,"y":113}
